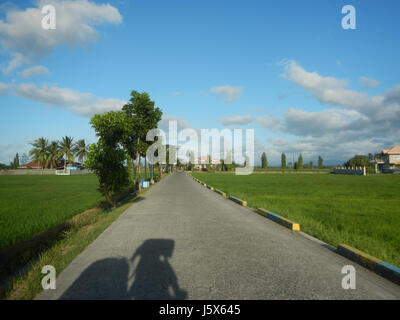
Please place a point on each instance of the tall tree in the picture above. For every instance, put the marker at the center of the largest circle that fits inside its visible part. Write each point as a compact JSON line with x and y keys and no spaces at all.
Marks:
{"x":264,"y":161}
{"x":16,"y":161}
{"x":80,"y":149}
{"x":300,"y":162}
{"x":66,"y":150}
{"x":107,"y":162}
{"x":39,"y":152}
{"x":53,"y":154}
{"x":142,"y":116}
{"x":320,"y":162}
{"x":283,"y":161}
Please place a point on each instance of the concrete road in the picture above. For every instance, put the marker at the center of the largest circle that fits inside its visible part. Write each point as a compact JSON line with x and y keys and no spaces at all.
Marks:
{"x":183,"y":241}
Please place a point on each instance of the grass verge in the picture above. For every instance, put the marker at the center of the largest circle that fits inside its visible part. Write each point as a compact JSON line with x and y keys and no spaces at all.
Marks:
{"x":83,"y":230}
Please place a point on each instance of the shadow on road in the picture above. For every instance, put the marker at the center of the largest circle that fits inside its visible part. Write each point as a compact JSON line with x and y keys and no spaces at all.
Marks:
{"x":153,"y":277}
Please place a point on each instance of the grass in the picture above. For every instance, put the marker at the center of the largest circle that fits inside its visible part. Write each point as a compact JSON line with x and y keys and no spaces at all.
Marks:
{"x":31,"y":204}
{"x":84,"y":229}
{"x":59,"y":247}
{"x":361,"y":211}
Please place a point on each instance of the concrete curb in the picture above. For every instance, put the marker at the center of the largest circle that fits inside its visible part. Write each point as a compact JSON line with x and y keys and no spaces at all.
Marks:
{"x":209,"y":187}
{"x":278,"y":219}
{"x":239,"y":201}
{"x":378,"y":266}
{"x":220,"y":192}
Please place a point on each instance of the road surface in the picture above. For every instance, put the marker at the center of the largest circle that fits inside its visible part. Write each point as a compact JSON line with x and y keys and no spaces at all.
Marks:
{"x":183,"y":241}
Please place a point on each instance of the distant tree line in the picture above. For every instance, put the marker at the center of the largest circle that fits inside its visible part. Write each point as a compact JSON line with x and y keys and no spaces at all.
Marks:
{"x":296,"y":165}
{"x":49,"y":154}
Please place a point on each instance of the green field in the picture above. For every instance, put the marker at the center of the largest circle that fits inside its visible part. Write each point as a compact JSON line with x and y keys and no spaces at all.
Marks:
{"x":363,"y":212}
{"x":31,"y":204}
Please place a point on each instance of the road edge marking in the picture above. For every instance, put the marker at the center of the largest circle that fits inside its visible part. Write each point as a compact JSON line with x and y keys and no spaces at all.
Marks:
{"x":376,"y":265}
{"x":294,"y":226}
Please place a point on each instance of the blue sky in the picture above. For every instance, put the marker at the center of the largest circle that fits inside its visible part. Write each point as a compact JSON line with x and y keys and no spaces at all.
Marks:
{"x":287,"y":69}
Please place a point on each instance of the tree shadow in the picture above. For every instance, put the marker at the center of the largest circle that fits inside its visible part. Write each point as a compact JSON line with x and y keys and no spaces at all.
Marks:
{"x":152,"y":279}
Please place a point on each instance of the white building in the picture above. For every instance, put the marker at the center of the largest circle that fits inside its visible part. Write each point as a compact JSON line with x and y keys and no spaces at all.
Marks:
{"x":387,"y":159}
{"x":202,"y":162}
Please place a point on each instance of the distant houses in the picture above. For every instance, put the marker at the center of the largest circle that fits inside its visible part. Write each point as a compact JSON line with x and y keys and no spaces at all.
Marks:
{"x":31,"y":165}
{"x":202,"y":162}
{"x":60,"y":165}
{"x":387,"y":160}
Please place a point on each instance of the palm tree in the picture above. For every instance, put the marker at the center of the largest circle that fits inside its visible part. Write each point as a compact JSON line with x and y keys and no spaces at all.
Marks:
{"x":53,"y":154}
{"x":80,"y":149}
{"x":66,"y":150}
{"x":40,"y":151}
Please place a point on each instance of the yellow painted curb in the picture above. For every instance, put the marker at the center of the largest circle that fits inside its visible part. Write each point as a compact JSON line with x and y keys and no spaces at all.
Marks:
{"x":355,"y":254}
{"x":281,"y":220}
{"x":239,"y":201}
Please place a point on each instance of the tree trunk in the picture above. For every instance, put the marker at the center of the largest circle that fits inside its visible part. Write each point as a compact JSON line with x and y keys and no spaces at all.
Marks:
{"x":139,"y":186}
{"x":109,"y":199}
{"x":135,"y":167}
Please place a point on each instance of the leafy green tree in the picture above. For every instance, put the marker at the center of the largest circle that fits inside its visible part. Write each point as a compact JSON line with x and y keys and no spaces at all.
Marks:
{"x":15,"y":163}
{"x":111,"y":127}
{"x":320,"y":162}
{"x":264,"y":161}
{"x":107,"y":163}
{"x":66,"y":146}
{"x":53,"y":154}
{"x":3,"y":166}
{"x":300,"y":162}
{"x":39,"y":152}
{"x":283,"y":161}
{"x":80,"y":149}
{"x":357,"y":161}
{"x":142,"y":116}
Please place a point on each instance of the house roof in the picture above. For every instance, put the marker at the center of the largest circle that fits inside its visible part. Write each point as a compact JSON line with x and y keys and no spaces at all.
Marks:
{"x":30,"y":164}
{"x":392,"y":150}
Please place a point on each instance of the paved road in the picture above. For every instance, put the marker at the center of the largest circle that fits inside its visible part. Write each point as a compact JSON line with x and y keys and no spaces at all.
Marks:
{"x":183,"y":241}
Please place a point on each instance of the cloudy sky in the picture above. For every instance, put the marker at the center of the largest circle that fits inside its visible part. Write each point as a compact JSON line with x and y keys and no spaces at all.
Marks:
{"x":287,"y":69}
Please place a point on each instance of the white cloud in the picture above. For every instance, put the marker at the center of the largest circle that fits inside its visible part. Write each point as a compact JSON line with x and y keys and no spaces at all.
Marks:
{"x":22,"y":34}
{"x":164,"y":123}
{"x":3,"y":88}
{"x":368,"y":83}
{"x":230,"y":94}
{"x":52,"y":95}
{"x":329,"y":90}
{"x":78,"y":102}
{"x":34,"y":71}
{"x":303,"y":123}
{"x":270,"y":122}
{"x":99,"y":106}
{"x":357,"y":123}
{"x":232,"y":120}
